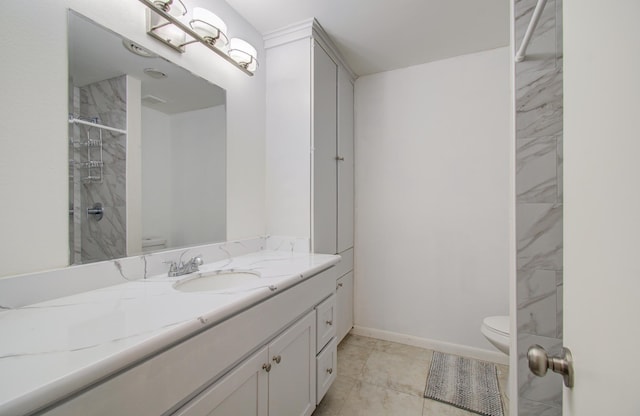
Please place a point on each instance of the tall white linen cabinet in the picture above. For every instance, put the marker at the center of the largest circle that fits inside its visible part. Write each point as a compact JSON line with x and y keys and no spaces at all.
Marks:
{"x":309,"y":149}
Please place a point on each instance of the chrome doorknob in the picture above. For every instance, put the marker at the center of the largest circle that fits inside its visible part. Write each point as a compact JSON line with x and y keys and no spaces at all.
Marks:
{"x":540,"y":362}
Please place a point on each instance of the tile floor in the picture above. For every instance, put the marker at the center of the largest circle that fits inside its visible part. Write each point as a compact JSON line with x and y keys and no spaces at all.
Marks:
{"x":377,"y":377}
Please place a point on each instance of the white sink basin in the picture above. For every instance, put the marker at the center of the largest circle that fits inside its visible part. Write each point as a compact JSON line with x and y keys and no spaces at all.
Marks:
{"x":216,"y":281}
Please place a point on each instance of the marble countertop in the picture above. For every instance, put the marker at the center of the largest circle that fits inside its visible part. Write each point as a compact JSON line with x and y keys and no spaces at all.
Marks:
{"x":54,"y":348}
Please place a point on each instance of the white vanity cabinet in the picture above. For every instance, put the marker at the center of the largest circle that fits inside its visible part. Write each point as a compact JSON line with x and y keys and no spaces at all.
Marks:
{"x":279,"y":379}
{"x":310,"y":145}
{"x":262,"y":361}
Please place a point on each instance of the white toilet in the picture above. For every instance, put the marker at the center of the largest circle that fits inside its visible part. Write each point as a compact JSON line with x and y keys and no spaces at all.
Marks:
{"x":150,"y":244}
{"x":496,"y":330}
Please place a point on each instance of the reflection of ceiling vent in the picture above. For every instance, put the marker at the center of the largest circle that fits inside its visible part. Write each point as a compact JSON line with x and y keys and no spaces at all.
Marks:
{"x":155,"y":73}
{"x":152,"y":99}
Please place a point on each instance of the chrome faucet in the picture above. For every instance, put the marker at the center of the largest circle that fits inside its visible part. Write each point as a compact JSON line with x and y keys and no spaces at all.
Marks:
{"x":181,"y":268}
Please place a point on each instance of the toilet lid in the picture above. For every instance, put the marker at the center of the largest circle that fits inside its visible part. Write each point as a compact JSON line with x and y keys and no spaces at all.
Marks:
{"x":498,"y":323}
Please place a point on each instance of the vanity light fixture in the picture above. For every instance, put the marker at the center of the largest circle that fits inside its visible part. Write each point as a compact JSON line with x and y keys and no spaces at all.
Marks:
{"x":208,"y":25}
{"x":166,"y":25}
{"x":244,"y":54}
{"x":175,"y":8}
{"x":163,"y":29}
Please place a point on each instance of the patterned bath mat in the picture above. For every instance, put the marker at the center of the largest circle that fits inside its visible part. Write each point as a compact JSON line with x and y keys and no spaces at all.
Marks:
{"x":465,"y":383}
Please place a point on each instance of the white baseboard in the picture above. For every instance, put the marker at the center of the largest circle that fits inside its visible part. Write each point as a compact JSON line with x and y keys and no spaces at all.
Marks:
{"x":446,"y":347}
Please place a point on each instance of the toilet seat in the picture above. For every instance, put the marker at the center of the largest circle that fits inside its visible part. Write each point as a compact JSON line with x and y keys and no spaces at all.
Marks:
{"x":497,"y":324}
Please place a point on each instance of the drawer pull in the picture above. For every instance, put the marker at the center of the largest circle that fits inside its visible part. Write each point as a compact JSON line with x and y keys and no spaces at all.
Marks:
{"x":266,"y":367}
{"x":330,"y":370}
{"x":329,"y":323}
{"x":340,"y":284}
{"x":277,"y":359}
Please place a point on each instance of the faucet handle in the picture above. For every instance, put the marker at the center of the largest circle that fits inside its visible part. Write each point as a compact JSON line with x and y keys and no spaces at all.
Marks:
{"x":173,"y":267}
{"x":194,"y":262}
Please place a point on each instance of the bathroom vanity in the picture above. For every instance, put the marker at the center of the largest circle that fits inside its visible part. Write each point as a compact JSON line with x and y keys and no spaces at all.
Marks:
{"x":266,"y":346}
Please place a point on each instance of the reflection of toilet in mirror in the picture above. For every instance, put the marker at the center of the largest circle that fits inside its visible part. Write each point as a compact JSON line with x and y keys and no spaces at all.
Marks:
{"x":150,"y":244}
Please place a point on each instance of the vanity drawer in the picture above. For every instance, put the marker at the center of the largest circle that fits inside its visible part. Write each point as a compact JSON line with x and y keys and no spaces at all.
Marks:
{"x":325,"y":324}
{"x":326,"y":368}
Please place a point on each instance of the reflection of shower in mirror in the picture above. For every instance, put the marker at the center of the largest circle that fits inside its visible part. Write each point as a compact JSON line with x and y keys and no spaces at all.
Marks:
{"x":150,"y":149}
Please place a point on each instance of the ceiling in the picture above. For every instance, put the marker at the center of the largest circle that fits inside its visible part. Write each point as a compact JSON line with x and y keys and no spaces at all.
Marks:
{"x":382,"y":35}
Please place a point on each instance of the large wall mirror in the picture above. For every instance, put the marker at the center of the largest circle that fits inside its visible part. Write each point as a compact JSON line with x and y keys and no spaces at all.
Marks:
{"x":138,"y":120}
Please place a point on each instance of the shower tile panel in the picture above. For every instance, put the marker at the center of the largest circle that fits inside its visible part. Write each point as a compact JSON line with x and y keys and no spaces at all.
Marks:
{"x":104,"y":239}
{"x":559,"y":168}
{"x":533,"y":283}
{"x":536,"y":164}
{"x":548,"y":389}
{"x":539,"y":196}
{"x":559,"y":311}
{"x":539,"y":236}
{"x":538,"y":99}
{"x":106,"y":100}
{"x":538,"y":315}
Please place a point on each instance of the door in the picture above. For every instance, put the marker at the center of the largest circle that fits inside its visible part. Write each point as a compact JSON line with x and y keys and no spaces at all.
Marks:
{"x":292,"y":379}
{"x":344,"y":305}
{"x":324,"y":172}
{"x":345,"y":155}
{"x":241,"y":392}
{"x":602,"y":205}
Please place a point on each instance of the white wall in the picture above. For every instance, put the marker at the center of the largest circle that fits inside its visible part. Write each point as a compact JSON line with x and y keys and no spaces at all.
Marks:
{"x":184,"y":176}
{"x":432,"y":198}
{"x":157,"y":170}
{"x":199,"y":144}
{"x":33,"y":128}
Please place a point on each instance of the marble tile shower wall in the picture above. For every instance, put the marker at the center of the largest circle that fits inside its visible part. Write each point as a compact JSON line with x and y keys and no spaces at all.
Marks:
{"x":539,"y":202}
{"x":104,"y":239}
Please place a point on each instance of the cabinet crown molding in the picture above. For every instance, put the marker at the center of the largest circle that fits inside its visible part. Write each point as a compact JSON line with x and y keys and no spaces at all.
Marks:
{"x":308,"y":28}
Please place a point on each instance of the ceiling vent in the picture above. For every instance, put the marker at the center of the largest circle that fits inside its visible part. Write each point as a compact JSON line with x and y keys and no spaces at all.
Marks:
{"x":152,"y":99}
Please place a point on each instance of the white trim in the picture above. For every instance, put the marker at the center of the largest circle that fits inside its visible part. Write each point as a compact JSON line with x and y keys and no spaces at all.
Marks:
{"x":309,"y":28}
{"x":447,"y":347}
{"x":288,"y":34}
{"x":513,"y":250}
{"x":324,"y":38}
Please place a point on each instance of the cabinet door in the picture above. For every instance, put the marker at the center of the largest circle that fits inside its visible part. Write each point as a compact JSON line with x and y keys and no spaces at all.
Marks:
{"x":325,"y":322}
{"x":327,"y":368}
{"x":324,"y":171}
{"x":292,"y":379}
{"x":242,"y":392}
{"x":344,"y":305}
{"x":345,"y":161}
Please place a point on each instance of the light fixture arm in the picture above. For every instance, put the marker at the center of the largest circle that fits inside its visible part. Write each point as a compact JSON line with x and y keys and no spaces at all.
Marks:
{"x":151,"y":30}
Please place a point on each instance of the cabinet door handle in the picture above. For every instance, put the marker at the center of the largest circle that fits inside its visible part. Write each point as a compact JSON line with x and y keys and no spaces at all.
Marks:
{"x":329,"y":323}
{"x":266,"y":367}
{"x":329,"y":370}
{"x":340,"y":158}
{"x":277,"y":359}
{"x":339,"y":284}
